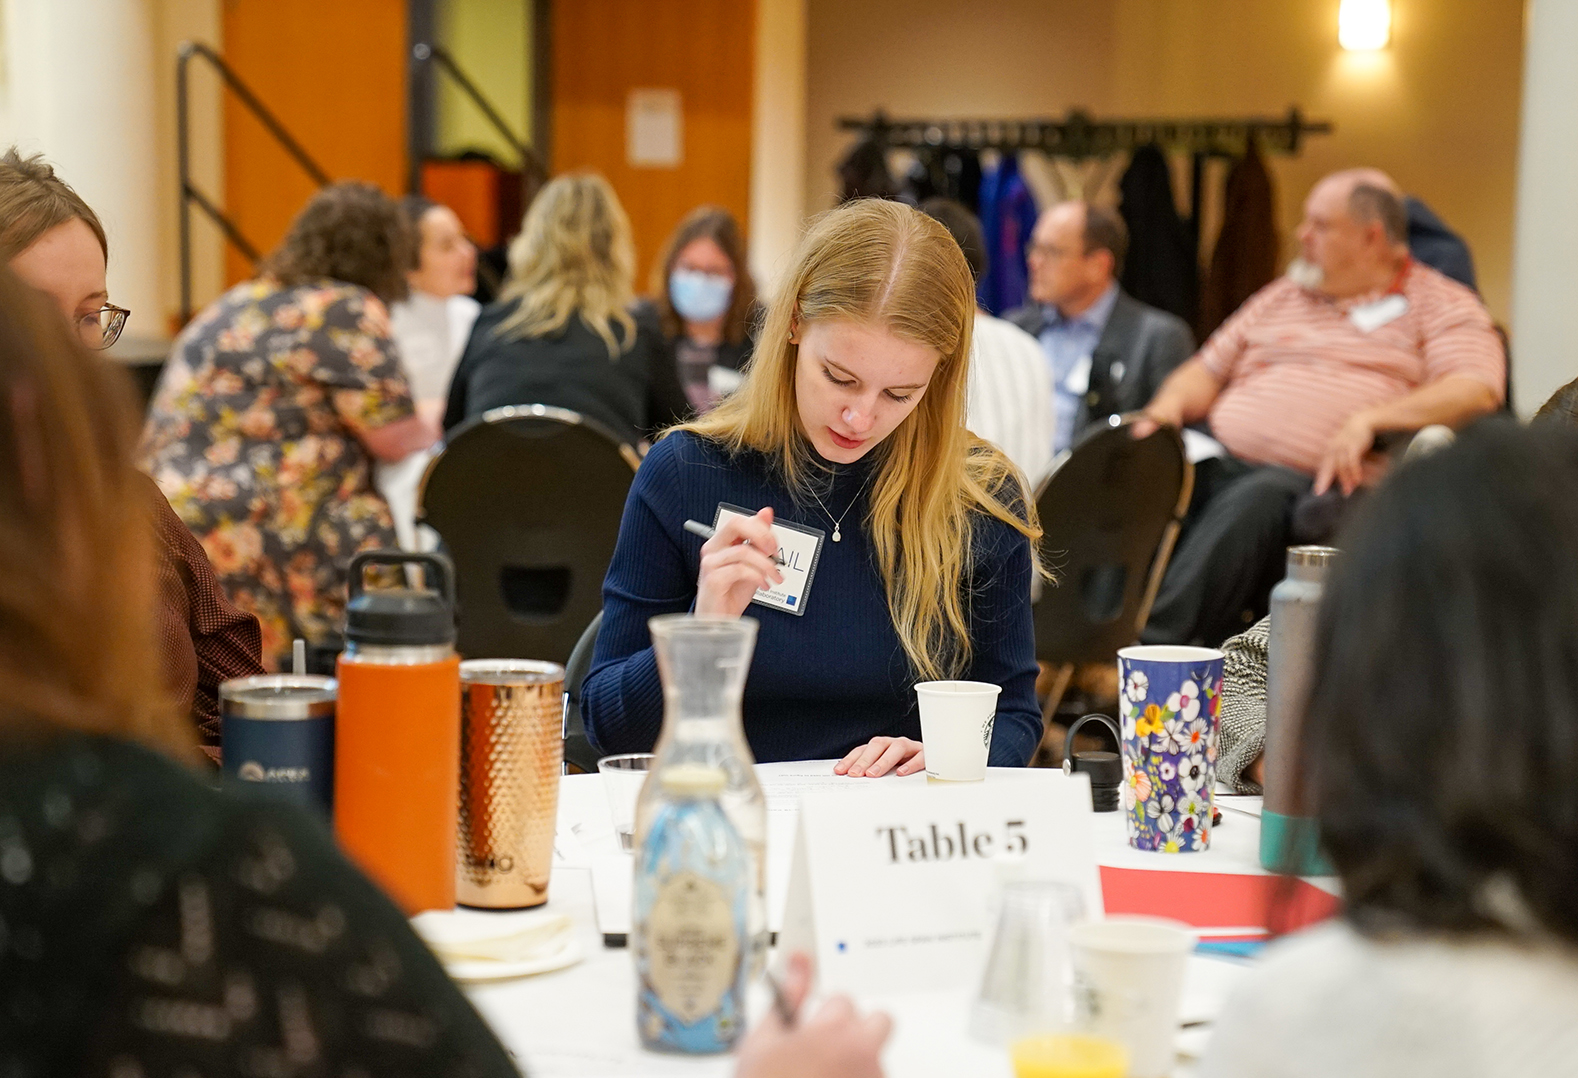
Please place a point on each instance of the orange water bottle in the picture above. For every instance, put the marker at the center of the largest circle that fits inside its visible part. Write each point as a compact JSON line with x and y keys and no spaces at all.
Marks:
{"x":397,"y":733}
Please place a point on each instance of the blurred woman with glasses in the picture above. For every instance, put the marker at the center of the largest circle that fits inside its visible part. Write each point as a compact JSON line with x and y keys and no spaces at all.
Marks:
{"x":54,"y":242}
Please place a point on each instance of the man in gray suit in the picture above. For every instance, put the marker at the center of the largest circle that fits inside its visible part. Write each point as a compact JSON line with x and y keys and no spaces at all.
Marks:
{"x":1107,"y":351}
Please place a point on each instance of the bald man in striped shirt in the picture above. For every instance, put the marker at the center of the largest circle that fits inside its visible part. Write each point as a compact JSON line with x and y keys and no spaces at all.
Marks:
{"x":1355,"y":342}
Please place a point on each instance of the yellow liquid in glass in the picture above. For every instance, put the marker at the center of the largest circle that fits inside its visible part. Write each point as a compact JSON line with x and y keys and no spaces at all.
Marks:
{"x":1068,"y":1055}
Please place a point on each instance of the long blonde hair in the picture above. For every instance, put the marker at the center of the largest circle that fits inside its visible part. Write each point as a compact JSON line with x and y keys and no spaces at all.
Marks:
{"x":880,"y":263}
{"x":574,"y":256}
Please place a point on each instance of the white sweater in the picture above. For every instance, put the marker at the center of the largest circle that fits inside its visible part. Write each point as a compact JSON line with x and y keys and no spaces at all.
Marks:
{"x":1011,"y":395}
{"x":1329,"y":1002}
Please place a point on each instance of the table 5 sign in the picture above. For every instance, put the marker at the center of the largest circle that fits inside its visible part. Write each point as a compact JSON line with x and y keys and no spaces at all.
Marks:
{"x":892,"y":889}
{"x":953,"y":841}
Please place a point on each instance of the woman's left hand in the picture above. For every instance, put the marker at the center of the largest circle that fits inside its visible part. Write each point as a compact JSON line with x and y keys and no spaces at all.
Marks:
{"x":897,"y":754}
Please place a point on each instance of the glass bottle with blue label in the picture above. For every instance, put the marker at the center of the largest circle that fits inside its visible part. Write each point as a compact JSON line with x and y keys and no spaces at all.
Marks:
{"x":703,"y":661}
{"x":691,"y":939}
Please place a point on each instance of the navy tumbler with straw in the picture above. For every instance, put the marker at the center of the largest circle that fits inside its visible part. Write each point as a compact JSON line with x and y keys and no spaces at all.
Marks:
{"x":277,"y":731}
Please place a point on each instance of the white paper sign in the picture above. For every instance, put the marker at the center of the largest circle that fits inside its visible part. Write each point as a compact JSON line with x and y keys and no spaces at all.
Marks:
{"x":894,"y":889}
{"x":654,"y":129}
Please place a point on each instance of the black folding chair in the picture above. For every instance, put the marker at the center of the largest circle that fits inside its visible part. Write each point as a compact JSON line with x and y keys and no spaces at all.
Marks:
{"x":1110,"y":515}
{"x":527,"y":501}
{"x":578,"y":751}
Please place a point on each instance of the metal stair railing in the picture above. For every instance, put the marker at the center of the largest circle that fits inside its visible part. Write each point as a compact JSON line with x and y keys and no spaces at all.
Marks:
{"x":190,"y":194}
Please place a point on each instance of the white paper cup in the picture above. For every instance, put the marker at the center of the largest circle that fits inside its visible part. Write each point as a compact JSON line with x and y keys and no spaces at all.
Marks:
{"x":956,"y":728}
{"x":1129,"y":974}
{"x":623,"y":777}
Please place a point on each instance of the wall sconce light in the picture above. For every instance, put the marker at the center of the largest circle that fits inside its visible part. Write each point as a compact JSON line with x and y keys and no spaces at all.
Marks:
{"x":1364,"y":25}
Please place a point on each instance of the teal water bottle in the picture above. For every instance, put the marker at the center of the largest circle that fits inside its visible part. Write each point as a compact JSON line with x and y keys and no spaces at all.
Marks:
{"x":1289,"y":840}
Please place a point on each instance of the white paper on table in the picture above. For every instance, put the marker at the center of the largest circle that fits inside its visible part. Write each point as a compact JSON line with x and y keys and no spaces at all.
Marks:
{"x":613,"y":892}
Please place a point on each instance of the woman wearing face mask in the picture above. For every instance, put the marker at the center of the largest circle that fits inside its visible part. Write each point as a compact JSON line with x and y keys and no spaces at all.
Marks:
{"x":430,"y":327}
{"x":53,"y":241}
{"x":706,"y":304}
{"x":850,"y":424}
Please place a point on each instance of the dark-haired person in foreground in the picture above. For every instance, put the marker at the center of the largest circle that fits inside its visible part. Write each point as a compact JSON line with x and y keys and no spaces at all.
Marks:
{"x":1358,"y":340}
{"x":1441,"y":755}
{"x":274,"y":404}
{"x":54,"y":242}
{"x":149,"y":924}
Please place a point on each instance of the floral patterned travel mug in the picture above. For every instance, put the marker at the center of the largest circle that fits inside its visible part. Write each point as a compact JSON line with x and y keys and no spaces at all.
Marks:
{"x":1171,"y":697}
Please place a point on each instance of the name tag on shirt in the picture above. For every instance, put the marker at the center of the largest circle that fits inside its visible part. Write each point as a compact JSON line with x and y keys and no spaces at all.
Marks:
{"x":801,"y":548}
{"x":1370,"y":317}
{"x":1078,"y":380}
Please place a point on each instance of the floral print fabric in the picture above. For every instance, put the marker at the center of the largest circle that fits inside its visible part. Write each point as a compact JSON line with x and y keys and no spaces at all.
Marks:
{"x":253,"y":437}
{"x":1170,"y":712}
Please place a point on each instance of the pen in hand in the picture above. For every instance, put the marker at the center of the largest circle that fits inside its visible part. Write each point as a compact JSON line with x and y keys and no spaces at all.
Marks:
{"x":696,"y":527}
{"x":786,"y":1013}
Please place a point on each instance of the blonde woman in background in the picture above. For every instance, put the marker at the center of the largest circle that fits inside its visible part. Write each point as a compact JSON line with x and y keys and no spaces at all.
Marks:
{"x":850,"y":423}
{"x":562,"y":331}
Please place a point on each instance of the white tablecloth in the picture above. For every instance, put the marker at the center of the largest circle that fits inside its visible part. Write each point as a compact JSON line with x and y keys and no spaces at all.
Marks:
{"x":580,"y":1021}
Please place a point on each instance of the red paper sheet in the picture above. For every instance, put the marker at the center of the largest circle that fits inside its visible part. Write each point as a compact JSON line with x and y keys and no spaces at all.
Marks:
{"x":1217,"y":899}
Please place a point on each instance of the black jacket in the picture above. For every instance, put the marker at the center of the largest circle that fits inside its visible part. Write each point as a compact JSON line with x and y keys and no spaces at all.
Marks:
{"x":632,"y":395}
{"x":1138,"y":349}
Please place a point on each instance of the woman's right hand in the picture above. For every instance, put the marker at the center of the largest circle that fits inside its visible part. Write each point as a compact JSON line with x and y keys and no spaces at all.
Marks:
{"x":835,"y":1042}
{"x":735,"y":563}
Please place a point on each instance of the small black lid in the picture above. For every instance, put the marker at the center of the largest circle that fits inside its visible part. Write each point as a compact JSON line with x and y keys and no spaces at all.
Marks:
{"x":1104,"y":768}
{"x":392,"y":617}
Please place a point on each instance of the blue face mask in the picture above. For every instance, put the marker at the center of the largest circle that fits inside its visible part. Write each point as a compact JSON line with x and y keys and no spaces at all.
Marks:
{"x":699,"y":297}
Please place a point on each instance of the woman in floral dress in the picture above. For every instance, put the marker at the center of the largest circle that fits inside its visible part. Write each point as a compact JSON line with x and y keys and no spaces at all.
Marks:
{"x":274,"y":404}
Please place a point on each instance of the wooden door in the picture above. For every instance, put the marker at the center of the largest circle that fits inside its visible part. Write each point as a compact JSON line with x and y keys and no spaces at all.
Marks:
{"x":602,"y":50}
{"x":334,"y":74}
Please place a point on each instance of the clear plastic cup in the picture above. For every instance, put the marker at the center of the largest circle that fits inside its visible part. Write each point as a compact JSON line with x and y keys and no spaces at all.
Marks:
{"x":623,"y":777}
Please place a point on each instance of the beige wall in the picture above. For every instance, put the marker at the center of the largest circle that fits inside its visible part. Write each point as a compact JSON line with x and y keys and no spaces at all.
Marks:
{"x":1439,"y":109}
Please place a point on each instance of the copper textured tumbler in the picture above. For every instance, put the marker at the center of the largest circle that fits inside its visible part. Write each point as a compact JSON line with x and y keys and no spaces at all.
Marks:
{"x":511,"y":753}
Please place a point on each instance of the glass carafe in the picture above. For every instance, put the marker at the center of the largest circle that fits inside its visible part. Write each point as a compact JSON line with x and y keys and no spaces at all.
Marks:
{"x":703,"y":661}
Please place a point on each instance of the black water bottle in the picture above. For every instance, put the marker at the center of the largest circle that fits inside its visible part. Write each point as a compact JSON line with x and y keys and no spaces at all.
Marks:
{"x":1104,"y":768}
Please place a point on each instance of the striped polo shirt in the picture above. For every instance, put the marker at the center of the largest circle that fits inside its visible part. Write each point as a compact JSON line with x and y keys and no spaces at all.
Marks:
{"x":1294,"y":367}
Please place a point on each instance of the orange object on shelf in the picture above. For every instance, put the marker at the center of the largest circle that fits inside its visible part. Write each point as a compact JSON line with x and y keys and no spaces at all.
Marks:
{"x":486,"y":197}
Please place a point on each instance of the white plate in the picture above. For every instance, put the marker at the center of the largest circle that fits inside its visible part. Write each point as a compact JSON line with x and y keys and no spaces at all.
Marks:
{"x":479,"y":970}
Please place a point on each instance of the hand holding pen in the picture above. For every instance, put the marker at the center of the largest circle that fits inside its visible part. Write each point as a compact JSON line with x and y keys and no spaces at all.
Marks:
{"x":740,"y":559}
{"x":837,"y":1041}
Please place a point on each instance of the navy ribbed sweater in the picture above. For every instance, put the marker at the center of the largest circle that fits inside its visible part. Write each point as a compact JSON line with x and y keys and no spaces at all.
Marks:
{"x":822,"y":682}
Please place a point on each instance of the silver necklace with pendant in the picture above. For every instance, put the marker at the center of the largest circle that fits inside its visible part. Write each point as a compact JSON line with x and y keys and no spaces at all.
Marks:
{"x":838,"y":535}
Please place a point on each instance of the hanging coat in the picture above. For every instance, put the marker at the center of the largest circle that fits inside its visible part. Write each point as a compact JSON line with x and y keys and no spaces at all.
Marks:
{"x":1008,"y":216}
{"x":1245,"y":259}
{"x":1162,"y":268}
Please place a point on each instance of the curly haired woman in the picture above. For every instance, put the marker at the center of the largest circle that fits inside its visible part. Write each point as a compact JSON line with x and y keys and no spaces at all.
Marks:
{"x":274,"y":404}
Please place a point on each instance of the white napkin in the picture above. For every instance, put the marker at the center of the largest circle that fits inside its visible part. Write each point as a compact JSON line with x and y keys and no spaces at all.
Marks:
{"x":458,"y":936}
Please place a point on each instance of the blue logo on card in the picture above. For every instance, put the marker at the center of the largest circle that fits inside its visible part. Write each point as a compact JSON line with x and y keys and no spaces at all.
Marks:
{"x":791,"y":600}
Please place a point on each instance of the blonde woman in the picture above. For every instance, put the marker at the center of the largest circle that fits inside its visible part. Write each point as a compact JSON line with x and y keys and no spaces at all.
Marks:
{"x":850,"y":428}
{"x":562,"y":331}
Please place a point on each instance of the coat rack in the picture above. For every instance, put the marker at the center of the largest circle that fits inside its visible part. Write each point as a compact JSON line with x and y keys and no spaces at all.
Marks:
{"x":1080,"y":136}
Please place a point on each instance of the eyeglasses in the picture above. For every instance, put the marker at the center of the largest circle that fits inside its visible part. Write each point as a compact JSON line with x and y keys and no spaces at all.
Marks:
{"x":1049,"y":251}
{"x":103,"y":327}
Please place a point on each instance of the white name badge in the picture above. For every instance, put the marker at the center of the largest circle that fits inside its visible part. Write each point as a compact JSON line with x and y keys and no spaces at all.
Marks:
{"x":892,"y":889}
{"x":1370,"y":317}
{"x":801,"y":548}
